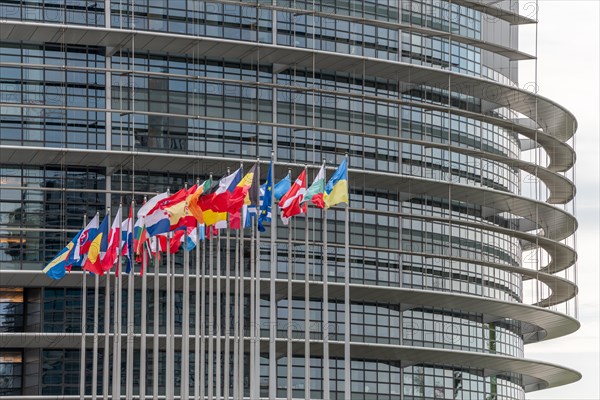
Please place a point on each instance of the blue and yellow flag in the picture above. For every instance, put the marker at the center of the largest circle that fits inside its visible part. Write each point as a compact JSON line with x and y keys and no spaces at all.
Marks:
{"x":336,"y":191}
{"x":56,"y":268}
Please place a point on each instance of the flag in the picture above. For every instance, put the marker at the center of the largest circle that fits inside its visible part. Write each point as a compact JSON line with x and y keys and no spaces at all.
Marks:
{"x":282,"y":187}
{"x":57,"y":267}
{"x":139,"y":235}
{"x":217,"y":198}
{"x":114,"y":244}
{"x":315,"y":192}
{"x":336,"y":190}
{"x":176,"y":241}
{"x":192,"y":237}
{"x":85,"y":239}
{"x":127,"y":248}
{"x":265,"y":208}
{"x":240,"y":191}
{"x":252,"y":201}
{"x":179,"y":214}
{"x":290,"y":202}
{"x":150,"y":204}
{"x":97,"y":249}
{"x":195,"y":209}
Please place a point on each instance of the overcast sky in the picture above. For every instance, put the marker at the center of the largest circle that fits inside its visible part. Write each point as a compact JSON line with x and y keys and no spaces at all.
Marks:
{"x":568,"y":72}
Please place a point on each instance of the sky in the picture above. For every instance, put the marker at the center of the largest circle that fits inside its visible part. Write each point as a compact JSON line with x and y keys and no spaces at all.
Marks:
{"x":568,"y":72}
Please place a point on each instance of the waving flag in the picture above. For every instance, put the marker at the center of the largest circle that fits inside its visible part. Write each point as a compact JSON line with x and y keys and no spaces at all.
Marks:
{"x":157,"y":220}
{"x":85,"y":239}
{"x":193,"y":205}
{"x":241,"y":190}
{"x":97,"y":249}
{"x":336,"y":190}
{"x":265,"y":208}
{"x":315,"y":192}
{"x":180,"y":215}
{"x":57,"y":267}
{"x":217,"y":198}
{"x":151,"y":204}
{"x":127,"y":240}
{"x":282,"y":187}
{"x":290,"y":202}
{"x":192,"y":237}
{"x":114,"y":244}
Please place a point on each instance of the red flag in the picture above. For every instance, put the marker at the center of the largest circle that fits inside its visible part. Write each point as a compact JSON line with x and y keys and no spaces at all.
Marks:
{"x":114,"y":242}
{"x":290,"y":202}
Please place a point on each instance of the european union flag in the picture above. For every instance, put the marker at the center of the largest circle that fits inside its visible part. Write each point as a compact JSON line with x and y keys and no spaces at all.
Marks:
{"x":265,"y":207}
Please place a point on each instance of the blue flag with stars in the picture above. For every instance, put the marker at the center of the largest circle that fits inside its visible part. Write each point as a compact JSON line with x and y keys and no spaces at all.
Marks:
{"x":265,"y":207}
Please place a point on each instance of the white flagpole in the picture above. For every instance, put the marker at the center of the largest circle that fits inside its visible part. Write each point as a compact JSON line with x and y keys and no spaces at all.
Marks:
{"x":117,"y":324}
{"x":171,"y":368}
{"x":95,"y":344}
{"x":218,"y":318}
{"x":252,"y":371}
{"x":169,"y":356}
{"x":325,"y":327}
{"x":226,"y":391}
{"x":83,"y":326}
{"x":347,"y":322}
{"x":130,"y":321}
{"x":202,"y":326}
{"x":197,"y":323}
{"x":105,"y":374}
{"x":289,"y":312}
{"x":156,"y":322}
{"x":236,"y":314}
{"x":143,"y":379}
{"x":185,"y":345}
{"x":211,"y":321}
{"x":306,"y":307}
{"x":241,"y":320}
{"x":256,"y":361}
{"x":272,"y":299}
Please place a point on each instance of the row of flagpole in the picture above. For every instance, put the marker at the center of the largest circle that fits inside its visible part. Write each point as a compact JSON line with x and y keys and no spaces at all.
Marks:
{"x":207,"y":339}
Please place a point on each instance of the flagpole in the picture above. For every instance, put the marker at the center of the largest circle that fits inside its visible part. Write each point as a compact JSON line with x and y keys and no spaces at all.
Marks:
{"x":226,"y":362}
{"x":306,"y":307}
{"x":289,"y":312}
{"x":211,"y":306}
{"x":236,"y":314}
{"x":117,"y":323}
{"x":256,"y":361}
{"x":347,"y":360}
{"x":197,"y":325}
{"x":156,"y":327}
{"x":242,"y":324}
{"x":252,"y":371}
{"x":254,"y":292}
{"x":95,"y":344}
{"x":130,"y":315}
{"x":83,"y":325}
{"x":185,"y":346}
{"x":272,"y":300}
{"x":105,"y":371}
{"x":171,"y":368}
{"x":218,"y":318}
{"x":202,"y":326}
{"x":143,"y":379}
{"x":169,"y":358}
{"x":289,"y":308}
{"x":325,"y":327}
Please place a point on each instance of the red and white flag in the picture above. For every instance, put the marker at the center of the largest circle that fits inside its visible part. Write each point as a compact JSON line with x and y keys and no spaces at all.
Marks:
{"x":114,"y":242}
{"x":289,"y":204}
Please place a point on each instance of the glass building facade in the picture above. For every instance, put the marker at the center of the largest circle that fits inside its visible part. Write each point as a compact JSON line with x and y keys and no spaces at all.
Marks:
{"x":461,"y":244}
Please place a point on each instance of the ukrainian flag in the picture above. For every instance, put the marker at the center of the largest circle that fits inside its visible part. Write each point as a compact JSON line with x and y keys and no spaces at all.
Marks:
{"x":57,"y":267}
{"x":336,"y":191}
